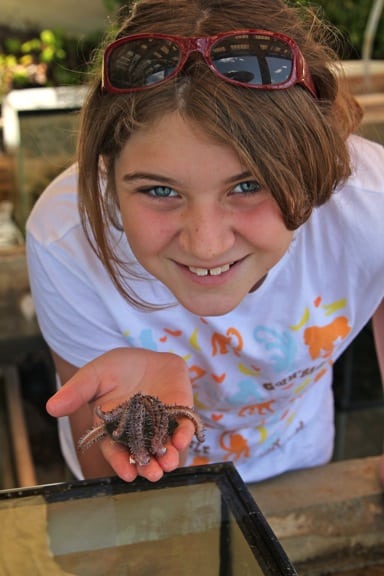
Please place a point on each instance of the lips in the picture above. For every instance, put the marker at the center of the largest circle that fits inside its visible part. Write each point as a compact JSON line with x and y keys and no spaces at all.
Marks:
{"x":209,"y":271}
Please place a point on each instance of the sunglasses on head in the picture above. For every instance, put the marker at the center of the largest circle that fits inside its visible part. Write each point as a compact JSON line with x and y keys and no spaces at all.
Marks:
{"x":257,"y":59}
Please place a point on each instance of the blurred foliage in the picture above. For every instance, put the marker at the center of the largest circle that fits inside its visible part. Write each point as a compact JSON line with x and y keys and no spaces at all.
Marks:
{"x":43,"y":58}
{"x":351,"y":18}
{"x":115,"y":5}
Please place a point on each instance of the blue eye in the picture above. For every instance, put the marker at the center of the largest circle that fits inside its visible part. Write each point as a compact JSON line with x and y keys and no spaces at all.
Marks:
{"x":161,"y":192}
{"x":248,"y":187}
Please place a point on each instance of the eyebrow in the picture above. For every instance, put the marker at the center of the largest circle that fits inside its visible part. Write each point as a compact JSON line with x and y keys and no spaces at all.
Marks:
{"x":131,"y":177}
{"x":147,"y":176}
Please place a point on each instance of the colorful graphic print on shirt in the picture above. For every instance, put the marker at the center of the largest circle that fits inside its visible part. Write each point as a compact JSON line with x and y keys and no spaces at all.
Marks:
{"x":249,"y":382}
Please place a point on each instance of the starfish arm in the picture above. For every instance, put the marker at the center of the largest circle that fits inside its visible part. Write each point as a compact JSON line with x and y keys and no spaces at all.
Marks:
{"x":177,"y":411}
{"x":111,"y":416}
{"x":160,"y":429}
{"x":92,"y":436}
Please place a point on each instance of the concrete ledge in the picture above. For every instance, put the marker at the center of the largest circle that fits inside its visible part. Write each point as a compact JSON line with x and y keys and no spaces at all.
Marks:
{"x":330,"y":516}
{"x":373,"y":107}
{"x":364,"y":77}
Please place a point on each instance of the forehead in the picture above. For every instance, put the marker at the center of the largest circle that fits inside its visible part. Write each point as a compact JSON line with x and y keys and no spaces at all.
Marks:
{"x":175,"y":135}
{"x":176,"y":143}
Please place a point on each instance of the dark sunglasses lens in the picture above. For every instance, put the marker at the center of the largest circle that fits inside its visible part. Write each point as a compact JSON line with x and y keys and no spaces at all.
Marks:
{"x":142,"y":62}
{"x":253,"y":59}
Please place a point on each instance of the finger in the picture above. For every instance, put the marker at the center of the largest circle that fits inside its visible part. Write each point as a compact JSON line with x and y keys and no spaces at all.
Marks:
{"x":182,"y":436}
{"x":170,"y":460}
{"x":83,"y":387}
{"x":151,"y":471}
{"x":118,"y":458}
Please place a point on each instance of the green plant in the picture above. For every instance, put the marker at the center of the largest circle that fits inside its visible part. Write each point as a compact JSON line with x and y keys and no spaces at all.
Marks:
{"x":45,"y":58}
{"x":25,"y":63}
{"x":112,"y":5}
{"x":350,"y":17}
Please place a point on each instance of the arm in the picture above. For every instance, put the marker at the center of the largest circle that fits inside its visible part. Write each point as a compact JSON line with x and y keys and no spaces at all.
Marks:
{"x":378,"y":331}
{"x":107,"y":381}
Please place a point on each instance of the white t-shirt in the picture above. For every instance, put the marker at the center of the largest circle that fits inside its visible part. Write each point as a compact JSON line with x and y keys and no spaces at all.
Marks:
{"x":261,"y":374}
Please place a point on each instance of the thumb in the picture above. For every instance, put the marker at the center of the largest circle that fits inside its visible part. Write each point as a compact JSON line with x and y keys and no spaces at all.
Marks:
{"x":82,"y":388}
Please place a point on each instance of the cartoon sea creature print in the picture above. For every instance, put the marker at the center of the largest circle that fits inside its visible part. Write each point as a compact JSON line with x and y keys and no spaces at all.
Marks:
{"x":281,"y":347}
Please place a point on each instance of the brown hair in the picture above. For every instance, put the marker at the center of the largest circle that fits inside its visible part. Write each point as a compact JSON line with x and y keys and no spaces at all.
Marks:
{"x":295,"y":145}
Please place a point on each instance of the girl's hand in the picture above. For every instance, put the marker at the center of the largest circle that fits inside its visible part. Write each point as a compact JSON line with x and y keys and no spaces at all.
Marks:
{"x":113,"y":378}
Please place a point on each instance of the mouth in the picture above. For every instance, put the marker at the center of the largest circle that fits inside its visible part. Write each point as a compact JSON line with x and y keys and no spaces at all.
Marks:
{"x":217,"y":271}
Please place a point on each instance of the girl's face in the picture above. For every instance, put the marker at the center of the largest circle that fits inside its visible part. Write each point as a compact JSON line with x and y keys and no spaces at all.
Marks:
{"x":195,"y":217}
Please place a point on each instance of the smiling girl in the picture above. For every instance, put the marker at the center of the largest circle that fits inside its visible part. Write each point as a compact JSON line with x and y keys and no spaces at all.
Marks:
{"x":218,"y":243}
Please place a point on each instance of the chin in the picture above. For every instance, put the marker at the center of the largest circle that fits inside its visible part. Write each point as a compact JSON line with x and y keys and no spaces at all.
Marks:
{"x":209,"y":309}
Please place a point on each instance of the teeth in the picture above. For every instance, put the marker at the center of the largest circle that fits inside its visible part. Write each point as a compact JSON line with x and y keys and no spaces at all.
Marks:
{"x":211,"y":271}
{"x":199,"y":271}
{"x":219,"y":270}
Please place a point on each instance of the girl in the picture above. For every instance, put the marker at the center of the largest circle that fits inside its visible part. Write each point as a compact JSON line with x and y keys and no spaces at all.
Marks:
{"x":219,"y":242}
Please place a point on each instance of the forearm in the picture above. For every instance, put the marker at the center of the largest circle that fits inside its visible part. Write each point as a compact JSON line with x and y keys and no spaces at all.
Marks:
{"x":378,"y":330}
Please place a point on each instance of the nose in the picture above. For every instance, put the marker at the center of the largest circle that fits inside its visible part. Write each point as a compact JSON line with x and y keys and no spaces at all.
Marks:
{"x":206,"y":233}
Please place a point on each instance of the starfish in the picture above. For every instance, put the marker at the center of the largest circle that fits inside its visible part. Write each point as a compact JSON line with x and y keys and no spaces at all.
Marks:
{"x":143,"y":424}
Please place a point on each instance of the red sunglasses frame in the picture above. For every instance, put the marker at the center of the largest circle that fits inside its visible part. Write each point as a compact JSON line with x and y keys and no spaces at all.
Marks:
{"x":300,"y":73}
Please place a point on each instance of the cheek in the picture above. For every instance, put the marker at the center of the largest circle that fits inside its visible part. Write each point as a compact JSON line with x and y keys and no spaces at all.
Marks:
{"x":146,"y":232}
{"x":266,"y":229}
